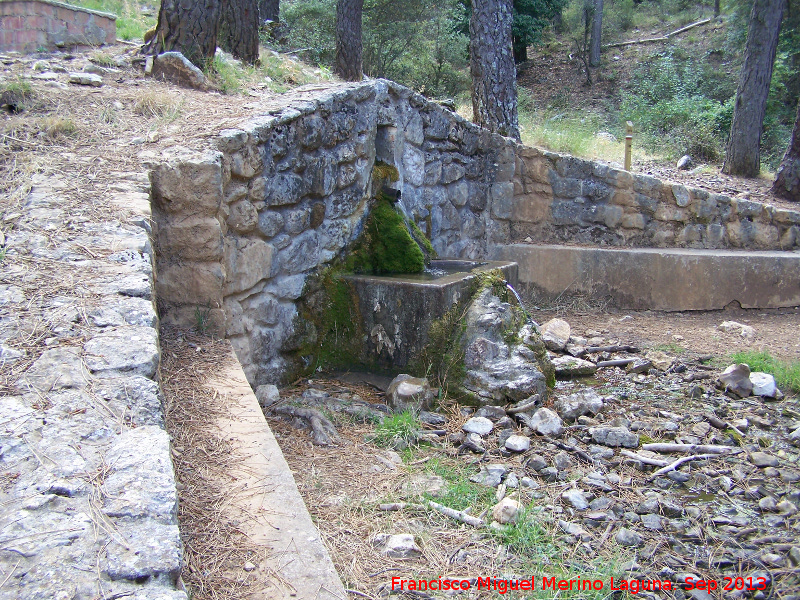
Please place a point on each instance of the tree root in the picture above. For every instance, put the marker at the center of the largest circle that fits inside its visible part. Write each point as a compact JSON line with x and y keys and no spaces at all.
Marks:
{"x":323,"y":433}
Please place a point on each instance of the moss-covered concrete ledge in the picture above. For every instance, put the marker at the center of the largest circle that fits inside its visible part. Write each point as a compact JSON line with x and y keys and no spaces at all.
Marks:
{"x":243,"y":222}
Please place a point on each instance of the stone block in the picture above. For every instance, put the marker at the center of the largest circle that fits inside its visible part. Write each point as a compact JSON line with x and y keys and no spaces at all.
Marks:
{"x":566,"y":188}
{"x":190,"y":282}
{"x":414,"y":129}
{"x":413,"y":165}
{"x":531,"y":208}
{"x":612,"y":215}
{"x":458,"y":193}
{"x":232,"y":140}
{"x":301,"y":254}
{"x":188,"y":182}
{"x":123,"y":351}
{"x":633,"y":221}
{"x":766,"y":235}
{"x":247,"y":261}
{"x":297,"y":221}
{"x":452,"y":172}
{"x":194,"y":237}
{"x":243,"y":217}
{"x":502,"y":200}
{"x":664,"y":212}
{"x":681,"y":195}
{"x":284,"y":189}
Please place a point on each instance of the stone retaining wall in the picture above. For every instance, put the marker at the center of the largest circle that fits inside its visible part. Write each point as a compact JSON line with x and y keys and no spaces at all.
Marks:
{"x":242,"y":226}
{"x":565,"y":199}
{"x":88,"y":502}
{"x":34,"y":25}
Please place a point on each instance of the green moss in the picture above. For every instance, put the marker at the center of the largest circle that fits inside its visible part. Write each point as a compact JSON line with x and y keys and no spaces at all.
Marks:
{"x":383,"y":172}
{"x":423,"y":241}
{"x":386,"y":246}
{"x":332,"y":310}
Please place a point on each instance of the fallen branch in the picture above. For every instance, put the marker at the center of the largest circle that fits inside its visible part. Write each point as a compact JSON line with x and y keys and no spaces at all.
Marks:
{"x":656,"y":462}
{"x":536,"y":400}
{"x":663,"y":38}
{"x":620,"y":362}
{"x":593,"y":349}
{"x":577,"y":451}
{"x":462,"y":516}
{"x":323,"y":433}
{"x":458,"y":515}
{"x":674,"y":465}
{"x":691,"y":448}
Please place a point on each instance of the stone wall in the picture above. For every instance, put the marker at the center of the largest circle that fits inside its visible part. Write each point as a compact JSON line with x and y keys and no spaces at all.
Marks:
{"x":241,"y":226}
{"x":33,"y":25}
{"x":565,"y":199}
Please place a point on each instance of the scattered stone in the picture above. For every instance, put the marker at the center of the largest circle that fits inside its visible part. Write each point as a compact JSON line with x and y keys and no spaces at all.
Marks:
{"x":549,"y":474}
{"x":661,"y":360}
{"x":479,"y":425}
{"x":512,"y":481}
{"x":490,"y":475}
{"x":576,"y":499}
{"x":575,"y":530}
{"x":432,"y":418}
{"x":685,"y":163}
{"x":768,"y":504}
{"x":398,"y":545}
{"x":733,"y":327}
{"x":474,"y":443}
{"x":562,"y":461}
{"x":762,"y":459}
{"x":248,"y":566}
{"x":652,"y":522}
{"x":86,"y":79}
{"x":536,"y":462}
{"x":614,"y":437}
{"x":545,"y":422}
{"x":627,"y":537}
{"x":569,"y":366}
{"x":267,"y":395}
{"x":786,"y":508}
{"x":518,"y":443}
{"x":493,"y":413}
{"x":175,"y":67}
{"x":9,"y":355}
{"x":735,"y":380}
{"x":529,"y":483}
{"x":507,"y":511}
{"x":584,"y":402}
{"x":409,"y":393}
{"x":640,"y":365}
{"x":555,"y":334}
{"x":763,"y":385}
{"x":794,"y":555}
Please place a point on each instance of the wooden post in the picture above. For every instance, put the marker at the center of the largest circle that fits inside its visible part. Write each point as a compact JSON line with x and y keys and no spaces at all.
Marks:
{"x":628,"y":144}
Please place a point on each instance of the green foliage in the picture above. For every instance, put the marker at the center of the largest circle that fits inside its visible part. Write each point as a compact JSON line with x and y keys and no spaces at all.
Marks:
{"x":386,"y":246}
{"x":670,"y":101}
{"x":201,"y":319}
{"x":131,"y":23}
{"x":397,"y":431}
{"x":786,"y":373}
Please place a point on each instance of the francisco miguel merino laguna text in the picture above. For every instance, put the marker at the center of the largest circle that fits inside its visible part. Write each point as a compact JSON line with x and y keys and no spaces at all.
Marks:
{"x":502,"y":586}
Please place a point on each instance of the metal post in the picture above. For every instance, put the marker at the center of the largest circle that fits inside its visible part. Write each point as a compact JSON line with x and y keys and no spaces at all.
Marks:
{"x":628,"y":144}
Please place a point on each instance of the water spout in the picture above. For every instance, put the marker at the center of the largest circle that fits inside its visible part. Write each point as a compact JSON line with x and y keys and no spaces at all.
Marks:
{"x":522,"y":306}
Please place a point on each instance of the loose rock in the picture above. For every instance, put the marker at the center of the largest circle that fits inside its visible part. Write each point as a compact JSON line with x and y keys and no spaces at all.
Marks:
{"x":627,"y":537}
{"x":555,"y":334}
{"x":507,"y":511}
{"x":409,"y":393}
{"x":569,"y":366}
{"x":479,"y":425}
{"x":735,"y":380}
{"x":614,"y":437}
{"x":545,"y":422}
{"x":518,"y":443}
{"x":584,"y":402}
{"x":399,"y":545}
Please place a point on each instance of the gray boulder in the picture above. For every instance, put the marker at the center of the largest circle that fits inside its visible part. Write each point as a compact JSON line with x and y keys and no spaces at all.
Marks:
{"x":555,"y":334}
{"x":175,"y":67}
{"x":544,"y":422}
{"x":569,"y":366}
{"x":584,"y":402}
{"x":409,"y":393}
{"x":735,"y":381}
{"x":614,"y":437}
{"x":497,"y":371}
{"x":399,"y":545}
{"x":764,"y":385}
{"x":685,"y":163}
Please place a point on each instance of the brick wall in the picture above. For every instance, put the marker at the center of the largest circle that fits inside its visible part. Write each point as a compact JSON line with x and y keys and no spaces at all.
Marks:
{"x":31,"y":25}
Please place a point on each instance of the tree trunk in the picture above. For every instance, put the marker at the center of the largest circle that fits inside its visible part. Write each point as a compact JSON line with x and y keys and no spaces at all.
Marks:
{"x":558,"y":21}
{"x":742,"y":154}
{"x":716,"y":8}
{"x":494,"y":76}
{"x":186,"y":27}
{"x":268,"y":10}
{"x":349,"y":64}
{"x":787,"y":181}
{"x":238,"y":29}
{"x":597,"y":29}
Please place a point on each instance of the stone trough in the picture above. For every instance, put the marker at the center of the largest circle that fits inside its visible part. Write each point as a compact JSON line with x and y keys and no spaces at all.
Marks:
{"x":397,"y":311}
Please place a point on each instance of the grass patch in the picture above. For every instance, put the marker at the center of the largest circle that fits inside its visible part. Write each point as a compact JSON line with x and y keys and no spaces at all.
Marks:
{"x":17,"y":94}
{"x":460,"y":492}
{"x":57,"y":128}
{"x":670,"y":348}
{"x":159,"y":105}
{"x":131,"y":22}
{"x":276,"y":72}
{"x":786,"y":373}
{"x":398,"y":431}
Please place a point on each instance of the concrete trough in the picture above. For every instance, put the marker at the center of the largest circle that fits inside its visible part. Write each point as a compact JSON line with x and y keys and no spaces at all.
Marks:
{"x":670,"y":279}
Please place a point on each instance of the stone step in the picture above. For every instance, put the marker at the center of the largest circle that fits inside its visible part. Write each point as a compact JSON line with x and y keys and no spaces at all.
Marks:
{"x":670,"y":279}
{"x":266,"y":500}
